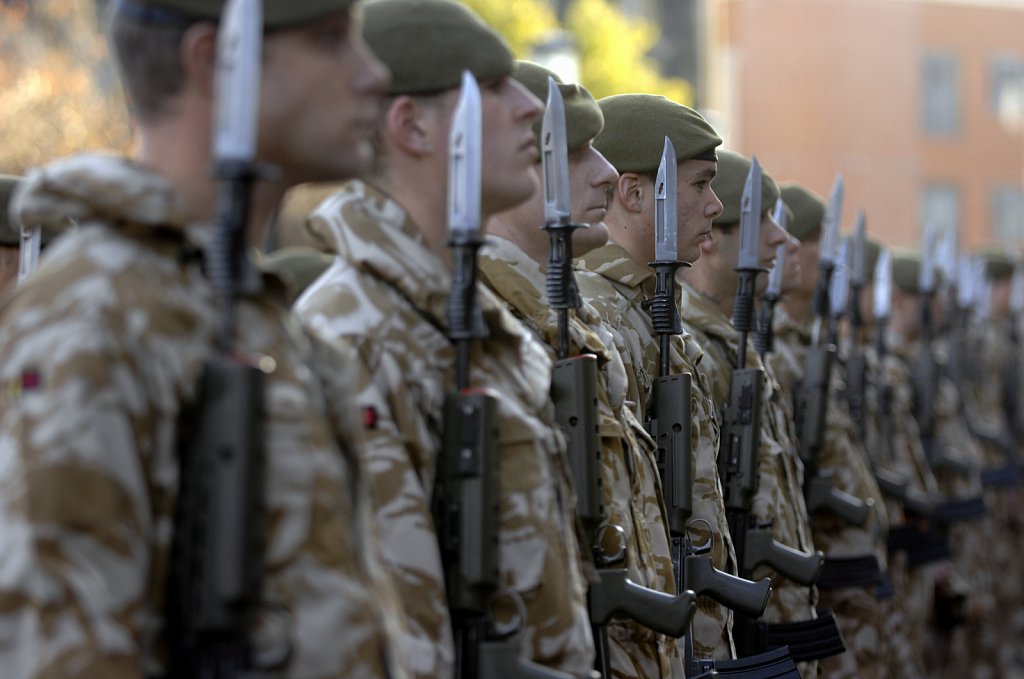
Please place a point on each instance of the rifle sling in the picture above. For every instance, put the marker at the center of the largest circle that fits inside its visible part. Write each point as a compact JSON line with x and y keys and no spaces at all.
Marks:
{"x":859,"y":572}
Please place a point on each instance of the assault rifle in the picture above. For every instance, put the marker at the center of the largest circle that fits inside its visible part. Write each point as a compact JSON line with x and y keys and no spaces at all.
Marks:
{"x":669,"y":422}
{"x":217,"y":568}
{"x":574,"y":392}
{"x":467,"y":492}
{"x":739,"y":453}
{"x":813,"y":393}
{"x":856,"y":361}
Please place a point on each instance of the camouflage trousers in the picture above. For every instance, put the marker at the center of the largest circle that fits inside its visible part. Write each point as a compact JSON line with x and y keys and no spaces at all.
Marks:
{"x":905,"y":614}
{"x":635,"y":652}
{"x":859,"y":616}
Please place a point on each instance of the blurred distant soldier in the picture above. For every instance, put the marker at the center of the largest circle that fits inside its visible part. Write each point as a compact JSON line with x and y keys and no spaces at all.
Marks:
{"x":855,"y":554}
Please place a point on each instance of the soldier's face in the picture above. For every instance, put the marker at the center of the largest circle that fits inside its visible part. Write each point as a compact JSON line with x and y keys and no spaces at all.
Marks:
{"x":320,"y":100}
{"x":509,"y":144}
{"x":591,"y":178}
{"x":772,"y":236}
{"x":697,"y":206}
{"x":792,"y":274}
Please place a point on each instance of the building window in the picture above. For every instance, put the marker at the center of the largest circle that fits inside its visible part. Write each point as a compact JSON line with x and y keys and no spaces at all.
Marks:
{"x":940,"y":206}
{"x":1008,"y":213}
{"x":1006,"y":89}
{"x":940,"y":100}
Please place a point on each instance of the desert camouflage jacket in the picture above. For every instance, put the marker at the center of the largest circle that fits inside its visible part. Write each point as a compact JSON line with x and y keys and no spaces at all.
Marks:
{"x":100,"y":355}
{"x":779,"y":500}
{"x":843,"y":456}
{"x":385,"y":297}
{"x":614,"y":284}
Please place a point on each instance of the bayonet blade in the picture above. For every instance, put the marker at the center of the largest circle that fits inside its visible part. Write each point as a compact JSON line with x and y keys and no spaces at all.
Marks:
{"x":926,"y":277}
{"x":830,"y":225}
{"x":774,"y":289}
{"x":857,"y":260}
{"x":840,"y":283}
{"x":555,"y":158}
{"x":464,"y":161}
{"x":965,"y":282}
{"x":666,"y":248}
{"x":750,"y":218}
{"x":237,"y":81}
{"x":1017,"y":289}
{"x":775,"y":277}
{"x":28,"y":254}
{"x":946,"y":257}
{"x":883,"y":285}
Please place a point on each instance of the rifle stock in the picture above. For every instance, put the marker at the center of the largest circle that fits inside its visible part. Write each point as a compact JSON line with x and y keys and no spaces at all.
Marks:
{"x":762,"y":548}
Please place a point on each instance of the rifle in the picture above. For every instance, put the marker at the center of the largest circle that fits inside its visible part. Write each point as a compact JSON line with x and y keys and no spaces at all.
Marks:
{"x":216,"y":568}
{"x":764,"y":338}
{"x":856,"y":361}
{"x":669,"y":421}
{"x":574,"y":392}
{"x":813,"y":393}
{"x":739,"y":447}
{"x":467,"y":494}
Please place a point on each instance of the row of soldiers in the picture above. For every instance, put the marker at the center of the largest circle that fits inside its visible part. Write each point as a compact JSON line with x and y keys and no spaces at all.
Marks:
{"x":612,"y":445}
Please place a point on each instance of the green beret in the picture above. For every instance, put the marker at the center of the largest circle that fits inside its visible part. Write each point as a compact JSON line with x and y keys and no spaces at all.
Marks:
{"x":9,"y":234}
{"x":428,"y":43}
{"x":728,"y":186}
{"x":906,"y":270}
{"x":998,"y":262}
{"x":872,"y":249}
{"x":276,"y":13}
{"x":808,"y":210}
{"x":635,"y":127}
{"x":583,"y":117}
{"x":789,"y":213}
{"x":297,"y":266}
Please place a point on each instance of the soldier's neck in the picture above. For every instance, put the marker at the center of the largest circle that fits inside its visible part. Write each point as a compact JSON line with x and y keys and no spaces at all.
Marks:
{"x":426,"y":203}
{"x":799,"y":307}
{"x":713,"y":283}
{"x":182,"y":156}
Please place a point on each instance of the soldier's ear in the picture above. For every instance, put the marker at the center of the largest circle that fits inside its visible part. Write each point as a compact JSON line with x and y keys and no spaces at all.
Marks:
{"x":413,"y":127}
{"x":631,"y":192}
{"x":198,"y":55}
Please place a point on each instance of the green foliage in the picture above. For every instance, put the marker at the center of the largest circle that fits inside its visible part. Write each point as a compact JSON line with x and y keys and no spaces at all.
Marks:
{"x":613,"y":48}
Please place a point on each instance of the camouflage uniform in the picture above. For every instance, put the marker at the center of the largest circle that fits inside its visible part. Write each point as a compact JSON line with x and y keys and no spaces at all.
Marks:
{"x":631,"y":484}
{"x":385,"y":296}
{"x":101,"y":355}
{"x":843,"y":457}
{"x":616,"y":285}
{"x":891,"y":432}
{"x":950,"y":653}
{"x":779,"y":500}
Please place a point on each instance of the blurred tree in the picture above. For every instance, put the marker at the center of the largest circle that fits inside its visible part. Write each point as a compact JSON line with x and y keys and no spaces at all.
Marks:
{"x":612,"y":47}
{"x":58,"y":94}
{"x":613,"y":52}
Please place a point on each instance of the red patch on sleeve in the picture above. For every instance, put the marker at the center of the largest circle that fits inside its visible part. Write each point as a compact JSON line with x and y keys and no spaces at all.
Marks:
{"x":370,"y":417}
{"x":30,"y":379}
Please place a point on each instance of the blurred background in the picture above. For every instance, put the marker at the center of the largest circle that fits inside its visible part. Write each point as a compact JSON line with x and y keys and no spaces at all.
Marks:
{"x":918,"y":103}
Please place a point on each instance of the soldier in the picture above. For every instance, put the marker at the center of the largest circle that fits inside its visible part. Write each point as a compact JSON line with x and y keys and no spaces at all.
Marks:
{"x":955,"y":458}
{"x":384,"y":297}
{"x":843,"y":458}
{"x":616,"y":279}
{"x":101,"y":357}
{"x":513,"y":265}
{"x":707,"y":299}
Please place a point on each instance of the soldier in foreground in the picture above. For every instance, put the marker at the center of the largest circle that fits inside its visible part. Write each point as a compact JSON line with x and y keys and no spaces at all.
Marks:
{"x":708,"y":295}
{"x":617,"y":278}
{"x":384,"y":300}
{"x":105,"y":345}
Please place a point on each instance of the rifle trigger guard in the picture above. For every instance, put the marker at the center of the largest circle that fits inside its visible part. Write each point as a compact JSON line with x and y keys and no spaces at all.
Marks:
{"x":619,"y":556}
{"x":513,"y":627}
{"x":707,"y":546}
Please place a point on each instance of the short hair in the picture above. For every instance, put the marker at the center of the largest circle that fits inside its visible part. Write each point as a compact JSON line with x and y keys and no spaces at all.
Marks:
{"x":147,"y":55}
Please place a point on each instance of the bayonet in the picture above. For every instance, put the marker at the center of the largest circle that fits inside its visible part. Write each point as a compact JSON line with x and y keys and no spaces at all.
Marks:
{"x":857,"y":258}
{"x":965,"y":286}
{"x":830,"y":225}
{"x":239,"y":43}
{"x":764,"y":338}
{"x":750,"y":219}
{"x":883,"y":285}
{"x":926,"y":277}
{"x":465,"y":162}
{"x":666,"y":220}
{"x":1017,"y":290}
{"x":28,"y":253}
{"x":839,"y":285}
{"x":555,"y":158}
